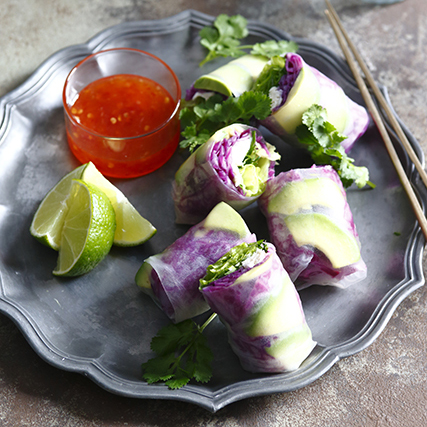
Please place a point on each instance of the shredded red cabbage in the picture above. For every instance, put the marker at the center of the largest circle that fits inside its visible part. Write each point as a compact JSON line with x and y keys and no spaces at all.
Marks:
{"x":294,"y":65}
{"x":219,"y":157}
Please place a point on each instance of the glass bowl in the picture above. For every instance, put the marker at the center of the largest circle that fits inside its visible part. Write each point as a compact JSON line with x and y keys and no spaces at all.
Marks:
{"x":122,"y":112}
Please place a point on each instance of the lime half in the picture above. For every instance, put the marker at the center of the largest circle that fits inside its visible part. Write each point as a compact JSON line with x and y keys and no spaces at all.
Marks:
{"x":48,"y":220}
{"x":88,"y":230}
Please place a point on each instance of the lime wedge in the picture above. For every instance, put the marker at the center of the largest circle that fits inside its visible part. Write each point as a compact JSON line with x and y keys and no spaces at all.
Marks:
{"x":132,"y":229}
{"x":47,"y":223}
{"x":88,"y":230}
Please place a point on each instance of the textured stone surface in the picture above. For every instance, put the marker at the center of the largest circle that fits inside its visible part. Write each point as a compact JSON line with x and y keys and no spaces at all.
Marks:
{"x":384,"y":385}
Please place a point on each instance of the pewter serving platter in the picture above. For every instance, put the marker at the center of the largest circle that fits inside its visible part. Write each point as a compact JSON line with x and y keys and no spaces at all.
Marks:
{"x":101,"y":324}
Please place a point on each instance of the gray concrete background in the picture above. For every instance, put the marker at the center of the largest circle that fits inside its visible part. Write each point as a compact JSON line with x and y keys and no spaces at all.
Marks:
{"x":384,"y":385}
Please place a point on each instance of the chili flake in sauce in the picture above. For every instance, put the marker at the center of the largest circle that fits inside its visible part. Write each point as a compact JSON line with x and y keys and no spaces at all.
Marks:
{"x":123,"y":105}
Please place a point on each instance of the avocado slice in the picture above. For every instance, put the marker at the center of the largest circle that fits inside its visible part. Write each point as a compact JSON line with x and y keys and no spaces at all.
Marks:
{"x":298,"y":195}
{"x":318,"y":230}
{"x":337,"y":107}
{"x":234,"y":78}
{"x":280,"y":313}
{"x":294,"y":347}
{"x":304,"y":93}
{"x":307,"y":91}
{"x":224,"y":217}
{"x":142,"y":277}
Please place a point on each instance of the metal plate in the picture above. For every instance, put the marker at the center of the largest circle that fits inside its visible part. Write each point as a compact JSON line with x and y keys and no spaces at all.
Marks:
{"x":101,"y":324}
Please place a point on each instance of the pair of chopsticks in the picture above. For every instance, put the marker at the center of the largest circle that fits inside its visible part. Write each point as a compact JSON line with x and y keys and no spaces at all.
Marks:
{"x":349,"y":50}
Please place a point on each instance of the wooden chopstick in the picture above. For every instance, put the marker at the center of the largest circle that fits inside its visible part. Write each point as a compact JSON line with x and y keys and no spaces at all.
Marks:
{"x":342,"y":38}
{"x":380,"y":97}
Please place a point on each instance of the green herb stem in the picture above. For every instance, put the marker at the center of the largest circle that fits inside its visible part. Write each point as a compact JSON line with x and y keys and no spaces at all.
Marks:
{"x":209,"y":320}
{"x":191,"y":343}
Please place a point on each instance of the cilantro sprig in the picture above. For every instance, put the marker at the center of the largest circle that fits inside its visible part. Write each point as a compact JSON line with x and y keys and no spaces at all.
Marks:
{"x":251,"y":156}
{"x":271,"y":48}
{"x":231,"y":261}
{"x":270,"y":75}
{"x":323,"y":142}
{"x":223,"y":39}
{"x":202,"y":118}
{"x":182,"y":354}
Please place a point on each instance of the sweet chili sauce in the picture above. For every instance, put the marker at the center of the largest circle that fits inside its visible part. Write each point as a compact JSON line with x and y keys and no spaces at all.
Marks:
{"x":127,"y":125}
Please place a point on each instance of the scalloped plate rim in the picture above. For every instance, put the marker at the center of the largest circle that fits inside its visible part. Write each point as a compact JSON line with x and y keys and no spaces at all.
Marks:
{"x":212,"y":401}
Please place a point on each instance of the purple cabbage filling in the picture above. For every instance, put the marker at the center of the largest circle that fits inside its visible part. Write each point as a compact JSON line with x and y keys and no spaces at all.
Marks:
{"x":294,"y":65}
{"x":189,"y":93}
{"x":192,"y":91}
{"x":220,"y":155}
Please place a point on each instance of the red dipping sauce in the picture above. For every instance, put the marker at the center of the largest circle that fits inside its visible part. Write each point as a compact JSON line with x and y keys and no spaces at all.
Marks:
{"x":126,"y":124}
{"x":123,"y":105}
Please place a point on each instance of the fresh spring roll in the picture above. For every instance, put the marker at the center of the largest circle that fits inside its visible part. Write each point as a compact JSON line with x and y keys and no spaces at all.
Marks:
{"x":172,"y":277}
{"x":303,"y":86}
{"x":260,"y":307}
{"x":312,"y":227}
{"x":231,"y":79}
{"x":233,"y":166}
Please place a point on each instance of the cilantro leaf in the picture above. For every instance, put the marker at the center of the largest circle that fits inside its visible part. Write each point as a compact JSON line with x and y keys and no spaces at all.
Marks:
{"x":192,"y":138}
{"x":202,"y":119}
{"x":323,"y":142}
{"x":270,"y":75}
{"x":272,"y":48}
{"x":251,"y":156}
{"x":171,"y":337}
{"x":158,"y":369}
{"x":182,"y":353}
{"x":223,"y":39}
{"x":254,"y":104}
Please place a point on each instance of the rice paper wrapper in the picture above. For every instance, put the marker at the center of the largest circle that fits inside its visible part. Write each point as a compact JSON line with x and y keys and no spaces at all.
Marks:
{"x":311,"y":224}
{"x":262,"y":312}
{"x":172,"y":277}
{"x":305,"y":86}
{"x":209,"y":175}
